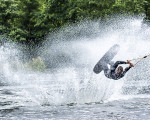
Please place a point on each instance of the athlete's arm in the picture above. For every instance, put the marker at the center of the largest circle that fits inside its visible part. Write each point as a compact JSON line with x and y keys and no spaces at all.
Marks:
{"x":126,"y":69}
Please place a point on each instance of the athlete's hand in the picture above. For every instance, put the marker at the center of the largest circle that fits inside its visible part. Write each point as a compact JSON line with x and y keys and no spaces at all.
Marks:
{"x":131,"y":65}
{"x":128,"y":61}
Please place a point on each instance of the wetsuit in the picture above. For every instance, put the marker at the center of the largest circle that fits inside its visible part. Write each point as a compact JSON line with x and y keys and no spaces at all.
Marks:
{"x":110,"y":73}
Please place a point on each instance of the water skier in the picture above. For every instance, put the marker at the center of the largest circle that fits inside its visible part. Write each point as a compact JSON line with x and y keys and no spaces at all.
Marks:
{"x":116,"y":72}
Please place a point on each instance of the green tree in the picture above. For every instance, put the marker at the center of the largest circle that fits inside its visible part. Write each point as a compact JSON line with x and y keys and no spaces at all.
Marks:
{"x":7,"y":14}
{"x":91,"y":9}
{"x":147,"y":10}
{"x":54,"y":14}
{"x":28,"y":21}
{"x":24,"y":26}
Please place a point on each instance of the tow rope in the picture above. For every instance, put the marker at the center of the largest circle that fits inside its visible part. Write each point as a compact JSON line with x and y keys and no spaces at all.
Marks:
{"x":139,"y":59}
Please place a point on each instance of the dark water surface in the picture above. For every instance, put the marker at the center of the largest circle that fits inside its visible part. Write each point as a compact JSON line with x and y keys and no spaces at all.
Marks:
{"x":131,"y":109}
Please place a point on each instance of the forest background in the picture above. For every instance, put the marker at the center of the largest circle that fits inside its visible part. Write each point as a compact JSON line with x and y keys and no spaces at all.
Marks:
{"x":29,"y":21}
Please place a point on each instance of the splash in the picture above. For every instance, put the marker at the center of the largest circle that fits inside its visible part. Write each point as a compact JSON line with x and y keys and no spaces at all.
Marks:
{"x":70,"y":55}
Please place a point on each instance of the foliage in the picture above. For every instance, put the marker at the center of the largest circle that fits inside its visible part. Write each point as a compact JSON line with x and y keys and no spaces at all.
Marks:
{"x":147,"y":10}
{"x":7,"y":13}
{"x":28,"y":21}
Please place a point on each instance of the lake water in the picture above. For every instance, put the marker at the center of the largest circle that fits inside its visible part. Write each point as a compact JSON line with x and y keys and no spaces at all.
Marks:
{"x":68,"y":89}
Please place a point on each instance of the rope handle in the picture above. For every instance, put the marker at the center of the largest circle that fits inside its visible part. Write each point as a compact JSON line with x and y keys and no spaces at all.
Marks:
{"x":137,"y":59}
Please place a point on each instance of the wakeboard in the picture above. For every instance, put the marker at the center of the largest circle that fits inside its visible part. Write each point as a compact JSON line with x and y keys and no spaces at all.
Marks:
{"x":107,"y":57}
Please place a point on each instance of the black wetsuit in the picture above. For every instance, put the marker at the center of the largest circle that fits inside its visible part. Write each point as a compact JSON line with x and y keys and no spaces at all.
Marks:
{"x":110,"y":73}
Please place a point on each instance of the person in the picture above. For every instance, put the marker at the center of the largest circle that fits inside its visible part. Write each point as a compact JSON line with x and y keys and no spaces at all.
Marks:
{"x":116,"y":72}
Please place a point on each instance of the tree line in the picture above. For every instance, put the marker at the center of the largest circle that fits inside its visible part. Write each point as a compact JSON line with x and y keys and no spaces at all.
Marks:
{"x":29,"y":21}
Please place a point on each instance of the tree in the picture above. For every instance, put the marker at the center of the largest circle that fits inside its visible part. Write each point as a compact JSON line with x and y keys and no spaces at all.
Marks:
{"x":7,"y":14}
{"x":24,"y":26}
{"x":147,"y":10}
{"x":29,"y":21}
